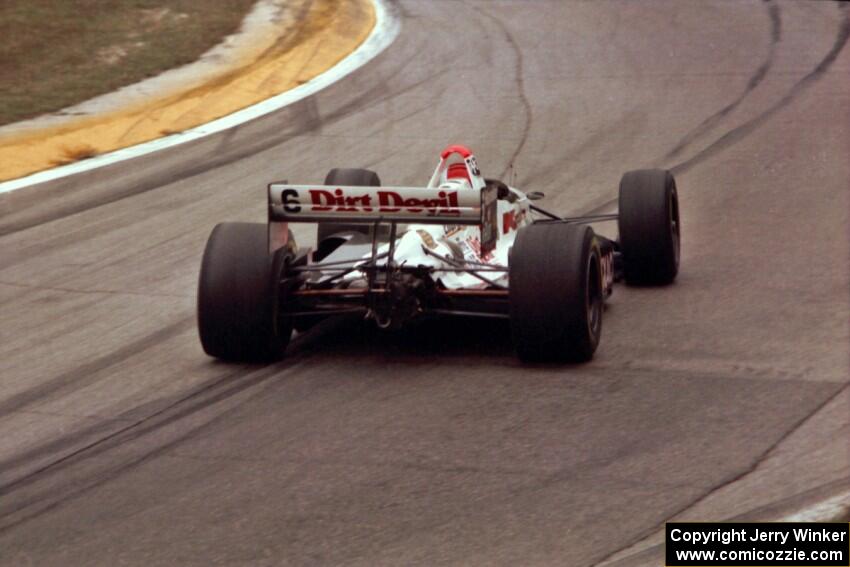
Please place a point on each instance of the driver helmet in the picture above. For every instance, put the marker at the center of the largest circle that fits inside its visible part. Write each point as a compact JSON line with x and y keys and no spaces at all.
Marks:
{"x":457,"y":177}
{"x":458,"y":171}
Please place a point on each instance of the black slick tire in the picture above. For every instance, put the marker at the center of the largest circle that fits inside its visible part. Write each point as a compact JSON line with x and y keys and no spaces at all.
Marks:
{"x":351,"y":177}
{"x":237,"y":303}
{"x":649,"y":227}
{"x":555,"y":293}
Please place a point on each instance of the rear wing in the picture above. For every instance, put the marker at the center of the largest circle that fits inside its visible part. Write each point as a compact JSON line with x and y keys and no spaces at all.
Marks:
{"x":369,"y":205}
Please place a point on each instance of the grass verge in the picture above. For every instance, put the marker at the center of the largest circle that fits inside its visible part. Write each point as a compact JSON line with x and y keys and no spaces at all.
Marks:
{"x":54,"y":54}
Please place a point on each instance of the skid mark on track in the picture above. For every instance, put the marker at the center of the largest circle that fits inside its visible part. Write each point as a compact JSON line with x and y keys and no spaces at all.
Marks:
{"x":85,"y":374}
{"x":709,"y":123}
{"x":615,"y":136}
{"x":520,"y":84}
{"x":742,"y":131}
{"x":114,"y":425}
{"x":32,"y":287}
{"x":727,"y":482}
{"x":99,"y":228}
{"x":138,"y":422}
{"x":51,"y":498}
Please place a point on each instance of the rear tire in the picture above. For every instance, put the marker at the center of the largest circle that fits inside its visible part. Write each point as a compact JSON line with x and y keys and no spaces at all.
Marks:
{"x":237,"y":295}
{"x":649,"y":226}
{"x":556,"y":296}
{"x":353,"y":177}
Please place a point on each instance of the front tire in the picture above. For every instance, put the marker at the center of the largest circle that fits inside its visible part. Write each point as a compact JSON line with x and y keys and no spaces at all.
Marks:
{"x":237,"y":296}
{"x":649,"y":227}
{"x":351,"y":177}
{"x":556,"y":297}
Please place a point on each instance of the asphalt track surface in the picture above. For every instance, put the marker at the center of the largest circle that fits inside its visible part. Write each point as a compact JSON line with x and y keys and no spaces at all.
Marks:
{"x":722,"y":396}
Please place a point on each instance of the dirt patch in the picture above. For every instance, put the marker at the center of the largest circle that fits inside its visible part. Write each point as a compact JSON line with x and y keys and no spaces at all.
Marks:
{"x":55,"y":54}
{"x":70,"y":154}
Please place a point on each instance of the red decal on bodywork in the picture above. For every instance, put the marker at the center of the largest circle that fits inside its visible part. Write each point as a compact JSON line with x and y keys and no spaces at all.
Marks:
{"x":509,"y":222}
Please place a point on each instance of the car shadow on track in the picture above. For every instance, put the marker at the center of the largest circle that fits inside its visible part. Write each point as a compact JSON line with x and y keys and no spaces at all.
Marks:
{"x":475,"y":340}
{"x":455,"y":338}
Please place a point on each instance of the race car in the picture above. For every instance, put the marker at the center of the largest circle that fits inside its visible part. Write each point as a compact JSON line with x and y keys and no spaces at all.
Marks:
{"x":460,"y":246}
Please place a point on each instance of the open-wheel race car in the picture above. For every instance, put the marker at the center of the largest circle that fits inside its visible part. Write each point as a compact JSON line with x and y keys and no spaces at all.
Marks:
{"x":462,"y":245}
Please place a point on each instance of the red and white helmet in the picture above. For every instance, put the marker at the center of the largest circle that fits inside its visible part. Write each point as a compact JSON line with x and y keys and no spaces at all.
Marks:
{"x":464,"y":174}
{"x":457,"y":177}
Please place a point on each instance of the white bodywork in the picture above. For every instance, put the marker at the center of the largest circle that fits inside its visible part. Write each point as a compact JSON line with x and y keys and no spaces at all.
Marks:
{"x":460,"y":243}
{"x":450,"y":217}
